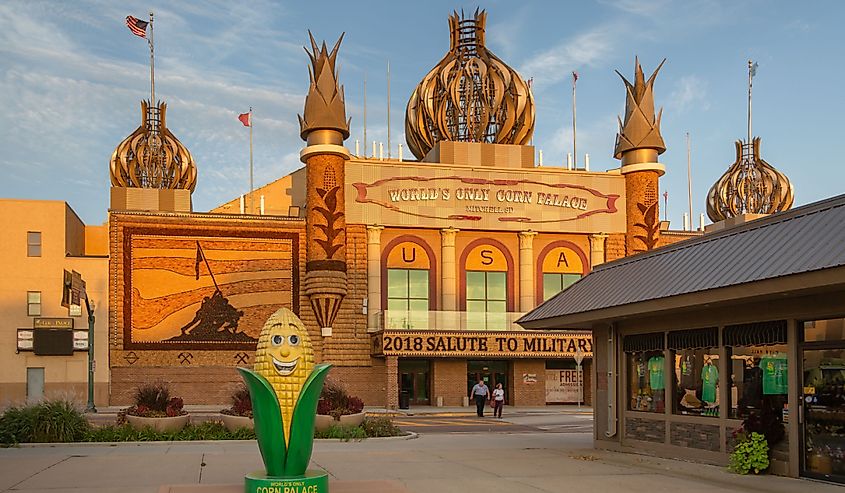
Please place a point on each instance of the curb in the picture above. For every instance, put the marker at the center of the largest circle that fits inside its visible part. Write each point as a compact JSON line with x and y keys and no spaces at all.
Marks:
{"x":409,"y":436}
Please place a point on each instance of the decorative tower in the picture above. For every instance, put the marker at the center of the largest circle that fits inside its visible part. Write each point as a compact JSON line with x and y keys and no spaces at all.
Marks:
{"x":324,"y":127}
{"x":638,"y":144}
{"x":750,"y":185}
{"x":469,"y":96}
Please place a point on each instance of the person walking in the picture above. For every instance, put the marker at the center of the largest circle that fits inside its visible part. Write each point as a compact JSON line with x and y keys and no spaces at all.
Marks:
{"x":480,"y":392}
{"x":498,"y":400}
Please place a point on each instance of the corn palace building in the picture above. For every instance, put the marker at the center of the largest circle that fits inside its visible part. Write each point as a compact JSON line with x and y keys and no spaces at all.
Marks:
{"x":408,"y":274}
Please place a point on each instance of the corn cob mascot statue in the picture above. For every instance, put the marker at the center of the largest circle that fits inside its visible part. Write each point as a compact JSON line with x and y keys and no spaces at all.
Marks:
{"x":285,"y":386}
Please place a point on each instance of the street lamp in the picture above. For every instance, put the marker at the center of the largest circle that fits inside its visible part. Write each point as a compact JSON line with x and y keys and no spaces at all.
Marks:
{"x":89,"y":304}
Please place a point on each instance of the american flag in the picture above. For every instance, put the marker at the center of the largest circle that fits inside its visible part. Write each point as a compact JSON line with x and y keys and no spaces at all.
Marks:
{"x":138,"y":27}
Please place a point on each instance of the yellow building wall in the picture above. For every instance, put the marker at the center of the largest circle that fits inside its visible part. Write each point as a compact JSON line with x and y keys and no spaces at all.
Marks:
{"x":62,"y":234}
{"x":278,"y":195}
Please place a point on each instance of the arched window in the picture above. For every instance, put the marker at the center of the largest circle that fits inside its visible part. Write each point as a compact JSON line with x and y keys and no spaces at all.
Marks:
{"x":561,"y":264}
{"x":408,"y":284}
{"x":488,"y":285}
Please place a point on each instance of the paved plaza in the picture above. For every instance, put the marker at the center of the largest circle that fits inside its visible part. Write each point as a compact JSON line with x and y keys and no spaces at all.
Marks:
{"x":525,"y":462}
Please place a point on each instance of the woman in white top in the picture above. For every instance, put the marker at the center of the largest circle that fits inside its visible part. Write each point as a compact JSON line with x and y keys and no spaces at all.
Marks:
{"x":498,"y":400}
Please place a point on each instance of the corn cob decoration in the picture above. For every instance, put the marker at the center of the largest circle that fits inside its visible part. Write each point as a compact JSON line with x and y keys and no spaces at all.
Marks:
{"x":285,"y":358}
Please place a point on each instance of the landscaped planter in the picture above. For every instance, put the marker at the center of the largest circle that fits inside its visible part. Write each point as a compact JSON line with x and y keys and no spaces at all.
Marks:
{"x":161,"y":425}
{"x":323,"y":422}
{"x":235,"y":423}
{"x":352,"y":419}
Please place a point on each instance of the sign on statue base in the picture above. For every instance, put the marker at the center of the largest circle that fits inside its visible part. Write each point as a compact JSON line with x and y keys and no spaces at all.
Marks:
{"x":313,"y":481}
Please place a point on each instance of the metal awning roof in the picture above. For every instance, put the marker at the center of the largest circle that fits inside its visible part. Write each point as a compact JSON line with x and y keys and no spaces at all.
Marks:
{"x":802,"y":240}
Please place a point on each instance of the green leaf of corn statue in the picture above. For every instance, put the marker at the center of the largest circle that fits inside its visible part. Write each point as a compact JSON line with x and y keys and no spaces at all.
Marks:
{"x":284,"y":391}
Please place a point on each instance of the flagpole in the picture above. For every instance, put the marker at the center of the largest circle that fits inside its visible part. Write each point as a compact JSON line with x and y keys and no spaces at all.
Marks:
{"x":202,"y":252}
{"x":251,"y":189}
{"x":152,"y":65}
{"x":574,"y":134}
{"x":388,"y":110}
{"x":750,"y":76}
{"x":365,"y":114}
{"x":689,"y":180}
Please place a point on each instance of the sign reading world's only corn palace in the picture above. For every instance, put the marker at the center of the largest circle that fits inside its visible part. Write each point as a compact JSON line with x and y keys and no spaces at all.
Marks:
{"x":494,"y":199}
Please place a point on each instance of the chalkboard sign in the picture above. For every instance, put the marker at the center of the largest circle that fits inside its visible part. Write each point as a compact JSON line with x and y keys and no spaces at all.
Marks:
{"x":53,"y":342}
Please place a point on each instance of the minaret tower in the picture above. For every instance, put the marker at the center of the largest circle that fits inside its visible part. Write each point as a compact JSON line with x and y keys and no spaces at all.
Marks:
{"x":324,"y":127}
{"x":638,"y":144}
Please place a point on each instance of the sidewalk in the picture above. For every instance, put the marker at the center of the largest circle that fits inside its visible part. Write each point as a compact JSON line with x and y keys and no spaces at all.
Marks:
{"x":442,"y":463}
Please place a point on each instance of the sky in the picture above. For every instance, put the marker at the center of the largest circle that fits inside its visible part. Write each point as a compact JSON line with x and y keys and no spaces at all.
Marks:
{"x":72,"y":77}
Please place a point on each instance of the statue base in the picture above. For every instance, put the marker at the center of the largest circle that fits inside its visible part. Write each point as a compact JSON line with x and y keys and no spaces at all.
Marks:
{"x":313,"y":481}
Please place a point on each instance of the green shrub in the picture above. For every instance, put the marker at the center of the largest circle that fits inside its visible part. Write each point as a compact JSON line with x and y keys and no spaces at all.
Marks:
{"x":751,"y":453}
{"x":380,"y":427}
{"x":153,"y":400}
{"x":16,"y":425}
{"x":210,"y":430}
{"x":342,"y":433}
{"x":59,"y":421}
{"x":47,"y":422}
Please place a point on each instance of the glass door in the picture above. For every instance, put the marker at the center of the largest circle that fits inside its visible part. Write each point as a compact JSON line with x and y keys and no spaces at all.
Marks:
{"x":823,"y":396}
{"x":414,"y":379}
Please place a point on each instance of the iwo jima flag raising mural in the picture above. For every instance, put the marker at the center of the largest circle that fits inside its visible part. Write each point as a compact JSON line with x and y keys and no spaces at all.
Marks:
{"x":206,"y":293}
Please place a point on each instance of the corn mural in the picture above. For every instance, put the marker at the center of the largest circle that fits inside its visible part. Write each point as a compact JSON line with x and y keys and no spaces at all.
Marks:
{"x":284,"y":386}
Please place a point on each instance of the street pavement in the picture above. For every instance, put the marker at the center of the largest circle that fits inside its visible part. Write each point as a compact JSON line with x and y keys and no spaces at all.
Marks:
{"x":495,"y":462}
{"x":513,"y":420}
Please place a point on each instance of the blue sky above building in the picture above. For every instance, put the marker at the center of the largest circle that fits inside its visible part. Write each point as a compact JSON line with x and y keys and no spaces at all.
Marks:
{"x":73,"y":76}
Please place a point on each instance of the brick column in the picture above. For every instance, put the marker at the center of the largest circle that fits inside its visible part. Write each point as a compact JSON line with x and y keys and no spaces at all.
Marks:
{"x":374,"y":278}
{"x":597,"y":242}
{"x":448,"y":270}
{"x":527,"y":300}
{"x":392,"y":369}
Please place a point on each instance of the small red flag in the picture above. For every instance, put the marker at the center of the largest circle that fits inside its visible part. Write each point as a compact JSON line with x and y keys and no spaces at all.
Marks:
{"x":574,"y":76}
{"x":246,"y":119}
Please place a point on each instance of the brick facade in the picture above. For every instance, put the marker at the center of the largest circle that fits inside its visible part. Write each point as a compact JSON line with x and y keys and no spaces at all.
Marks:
{"x":449,"y":381}
{"x":528,"y":394}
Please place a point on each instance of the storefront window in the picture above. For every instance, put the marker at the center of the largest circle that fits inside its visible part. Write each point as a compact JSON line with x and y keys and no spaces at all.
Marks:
{"x":824,"y":330}
{"x":758,"y":369}
{"x":407,"y":298}
{"x":646,"y":381}
{"x":697,"y":382}
{"x":695,"y":359}
{"x":486,"y":300}
{"x":555,"y":283}
{"x":758,"y":380}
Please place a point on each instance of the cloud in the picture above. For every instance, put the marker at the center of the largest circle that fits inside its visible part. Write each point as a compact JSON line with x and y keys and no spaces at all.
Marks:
{"x":689,"y":92}
{"x":69,"y":101}
{"x":639,"y":7}
{"x":586,"y":49}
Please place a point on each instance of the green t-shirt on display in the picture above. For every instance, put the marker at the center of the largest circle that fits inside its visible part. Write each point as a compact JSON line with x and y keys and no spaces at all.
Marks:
{"x":775,"y":375}
{"x":655,"y":372}
{"x":709,"y":379}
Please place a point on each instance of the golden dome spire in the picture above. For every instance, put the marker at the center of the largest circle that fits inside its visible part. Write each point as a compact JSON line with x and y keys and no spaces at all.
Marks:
{"x":325,"y":108}
{"x":152,"y":157}
{"x":641,"y":130}
{"x":749,"y":186}
{"x":470,"y":95}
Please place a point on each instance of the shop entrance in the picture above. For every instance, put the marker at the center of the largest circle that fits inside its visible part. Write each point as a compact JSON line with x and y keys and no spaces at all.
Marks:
{"x":492,"y":372}
{"x":824,"y":413}
{"x":414,"y":379}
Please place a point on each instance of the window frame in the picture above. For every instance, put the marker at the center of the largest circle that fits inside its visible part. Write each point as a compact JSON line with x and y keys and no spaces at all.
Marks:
{"x":30,"y":304}
{"x":33,"y":248}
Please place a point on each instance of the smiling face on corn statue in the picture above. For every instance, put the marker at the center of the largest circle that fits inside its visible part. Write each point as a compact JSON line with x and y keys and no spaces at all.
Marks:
{"x":284,"y":387}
